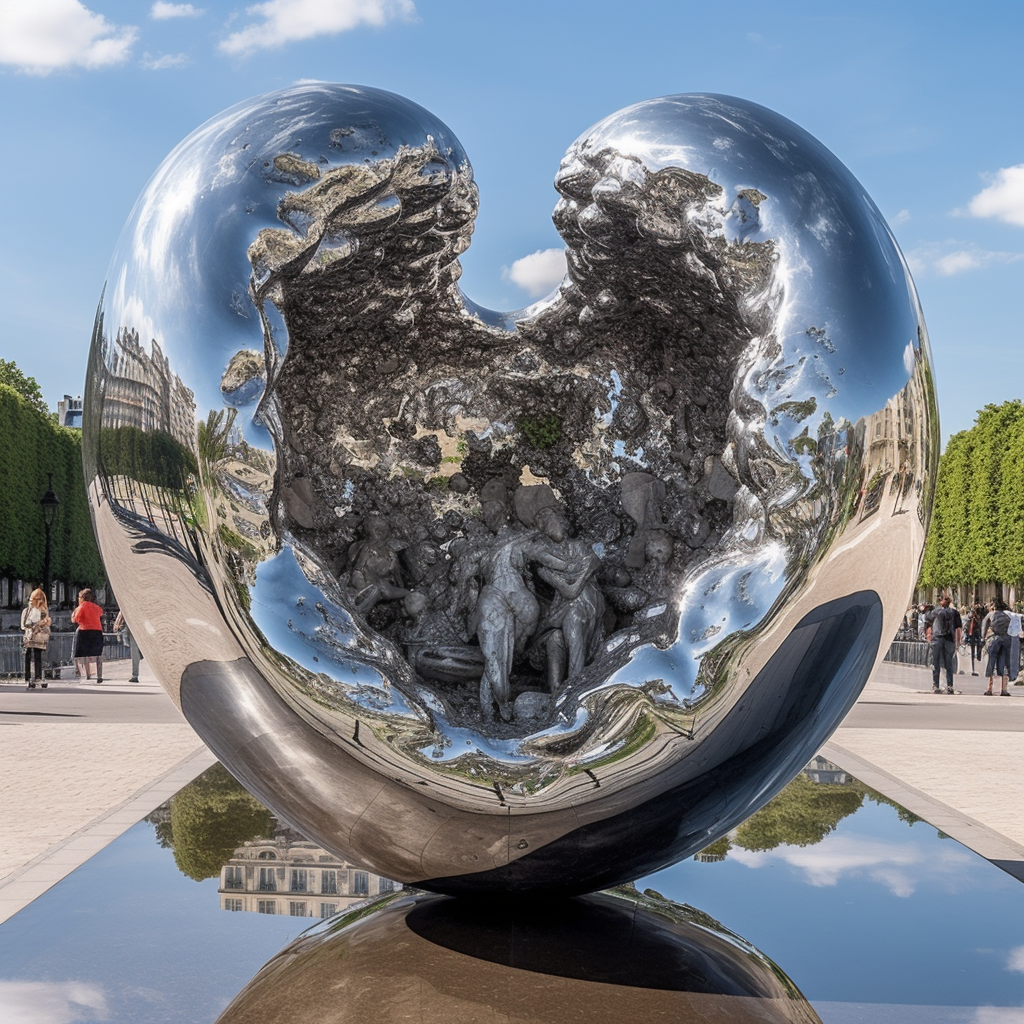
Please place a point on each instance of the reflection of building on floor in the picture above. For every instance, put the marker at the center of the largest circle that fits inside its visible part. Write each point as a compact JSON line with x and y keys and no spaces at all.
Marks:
{"x":288,"y":875}
{"x":708,"y":858}
{"x":820,"y":770}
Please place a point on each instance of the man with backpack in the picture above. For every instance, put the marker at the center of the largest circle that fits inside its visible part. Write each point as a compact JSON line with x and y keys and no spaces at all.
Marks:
{"x":944,"y":628}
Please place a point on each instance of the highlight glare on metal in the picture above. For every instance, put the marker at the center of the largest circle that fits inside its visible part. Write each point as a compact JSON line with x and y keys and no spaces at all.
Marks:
{"x":537,"y":600}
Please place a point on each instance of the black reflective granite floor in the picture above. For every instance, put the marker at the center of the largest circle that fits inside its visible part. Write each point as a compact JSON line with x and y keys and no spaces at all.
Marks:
{"x":872,"y":914}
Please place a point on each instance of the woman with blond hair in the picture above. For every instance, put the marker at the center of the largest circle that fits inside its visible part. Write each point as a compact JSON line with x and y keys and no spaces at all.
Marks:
{"x":35,"y":626}
{"x":88,"y":647}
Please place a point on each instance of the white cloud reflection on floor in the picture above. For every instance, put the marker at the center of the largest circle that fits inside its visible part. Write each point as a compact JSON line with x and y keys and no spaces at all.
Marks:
{"x":899,"y":867}
{"x":51,"y":1002}
{"x":999,"y":1015}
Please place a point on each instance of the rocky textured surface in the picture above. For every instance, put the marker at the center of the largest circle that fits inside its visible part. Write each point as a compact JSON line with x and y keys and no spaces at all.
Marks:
{"x":398,"y":404}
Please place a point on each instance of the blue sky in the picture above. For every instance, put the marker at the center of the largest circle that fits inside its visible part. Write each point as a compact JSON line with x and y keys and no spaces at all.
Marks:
{"x":921,"y":100}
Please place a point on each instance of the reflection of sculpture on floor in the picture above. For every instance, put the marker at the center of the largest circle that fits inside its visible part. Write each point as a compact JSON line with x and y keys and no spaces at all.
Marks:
{"x":605,"y":958}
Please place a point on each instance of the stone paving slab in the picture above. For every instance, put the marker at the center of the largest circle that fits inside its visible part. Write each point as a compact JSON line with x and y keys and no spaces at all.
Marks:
{"x":54,"y":796}
{"x":974,"y":774}
{"x":80,"y":764}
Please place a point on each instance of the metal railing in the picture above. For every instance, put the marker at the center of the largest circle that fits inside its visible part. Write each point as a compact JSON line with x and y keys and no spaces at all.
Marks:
{"x":919,"y":652}
{"x":909,"y":652}
{"x":56,"y":656}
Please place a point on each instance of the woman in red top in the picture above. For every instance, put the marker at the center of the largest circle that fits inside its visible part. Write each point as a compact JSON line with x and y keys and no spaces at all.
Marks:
{"x":89,"y":638}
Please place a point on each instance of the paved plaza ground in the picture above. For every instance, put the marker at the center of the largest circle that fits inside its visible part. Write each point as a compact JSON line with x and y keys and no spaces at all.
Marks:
{"x":80,"y":764}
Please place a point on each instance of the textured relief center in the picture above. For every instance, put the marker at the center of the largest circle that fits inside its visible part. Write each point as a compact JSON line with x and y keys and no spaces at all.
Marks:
{"x":506,"y":501}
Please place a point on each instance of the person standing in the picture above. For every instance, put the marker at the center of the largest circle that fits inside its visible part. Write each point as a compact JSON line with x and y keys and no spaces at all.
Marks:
{"x":945,"y":631}
{"x":922,"y":616}
{"x":120,"y":626}
{"x":88,"y":648}
{"x":1013,"y":632}
{"x":35,"y":626}
{"x":997,"y":622}
{"x":972,"y":634}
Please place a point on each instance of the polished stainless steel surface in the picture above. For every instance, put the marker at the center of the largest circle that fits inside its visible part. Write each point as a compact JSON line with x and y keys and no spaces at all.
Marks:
{"x":524,"y":600}
{"x":603,"y":958}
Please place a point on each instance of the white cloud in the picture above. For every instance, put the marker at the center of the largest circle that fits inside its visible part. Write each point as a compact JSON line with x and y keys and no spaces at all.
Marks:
{"x":161,"y":11}
{"x":955,"y":258}
{"x":1015,"y":961}
{"x":538,"y":273}
{"x":899,"y":867}
{"x":285,"y":21}
{"x":167,"y":60}
{"x":901,"y":218}
{"x":46,"y":35}
{"x":68,"y":1002}
{"x":1004,"y":198}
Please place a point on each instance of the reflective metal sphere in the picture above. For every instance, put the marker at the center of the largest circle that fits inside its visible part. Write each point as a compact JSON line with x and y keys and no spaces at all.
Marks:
{"x":604,"y":958}
{"x":539,"y":600}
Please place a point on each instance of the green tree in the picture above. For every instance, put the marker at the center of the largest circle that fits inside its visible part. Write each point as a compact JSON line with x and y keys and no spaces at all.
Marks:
{"x":949,"y":558}
{"x":26,"y":386}
{"x":1009,"y":523}
{"x":801,"y":815}
{"x":978,"y":514}
{"x":210,"y":818}
{"x":35,"y":450}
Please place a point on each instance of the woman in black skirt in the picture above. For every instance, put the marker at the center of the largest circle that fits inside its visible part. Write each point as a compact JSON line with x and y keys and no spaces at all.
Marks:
{"x":89,"y":638}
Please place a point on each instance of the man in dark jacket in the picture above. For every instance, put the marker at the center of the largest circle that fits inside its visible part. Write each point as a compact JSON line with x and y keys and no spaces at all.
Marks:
{"x":945,"y":630}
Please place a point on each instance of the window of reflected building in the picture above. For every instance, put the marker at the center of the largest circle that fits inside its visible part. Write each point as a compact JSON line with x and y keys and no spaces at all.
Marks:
{"x":234,"y":905}
{"x":329,"y":882}
{"x":297,"y":908}
{"x":328,"y":909}
{"x":360,"y":883}
{"x":268,"y":880}
{"x":299,"y":881}
{"x":266,"y":906}
{"x":234,"y":877}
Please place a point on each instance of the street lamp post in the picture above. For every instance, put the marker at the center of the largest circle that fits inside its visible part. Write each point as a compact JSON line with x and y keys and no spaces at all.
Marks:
{"x":49,"y":501}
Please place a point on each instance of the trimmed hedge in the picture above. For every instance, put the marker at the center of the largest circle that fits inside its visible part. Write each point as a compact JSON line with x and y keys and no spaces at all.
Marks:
{"x":977,"y":528}
{"x":33,"y":447}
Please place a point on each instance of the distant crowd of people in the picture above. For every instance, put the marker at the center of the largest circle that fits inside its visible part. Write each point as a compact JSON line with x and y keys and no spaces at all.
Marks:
{"x":989,"y":633}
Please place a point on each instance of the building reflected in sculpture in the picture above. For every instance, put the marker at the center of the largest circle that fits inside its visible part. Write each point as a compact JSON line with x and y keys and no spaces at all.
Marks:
{"x":142,"y":391}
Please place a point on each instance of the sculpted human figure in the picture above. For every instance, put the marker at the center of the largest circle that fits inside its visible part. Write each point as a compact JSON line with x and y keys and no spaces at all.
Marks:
{"x":571,"y":626}
{"x":375,"y":574}
{"x":641,"y":494}
{"x":506,"y":613}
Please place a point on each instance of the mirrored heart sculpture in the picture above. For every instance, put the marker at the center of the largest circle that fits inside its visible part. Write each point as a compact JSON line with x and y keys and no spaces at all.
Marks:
{"x":521,"y":601}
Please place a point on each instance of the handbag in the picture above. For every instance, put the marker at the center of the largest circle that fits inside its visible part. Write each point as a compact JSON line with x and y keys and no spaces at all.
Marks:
{"x":36,"y":635}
